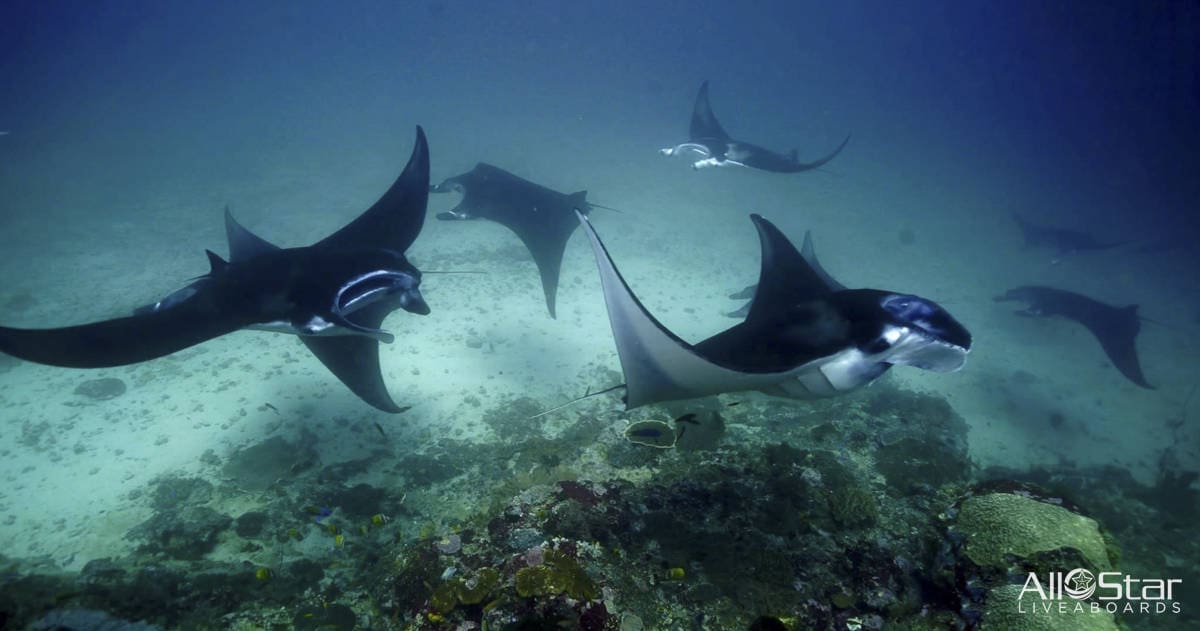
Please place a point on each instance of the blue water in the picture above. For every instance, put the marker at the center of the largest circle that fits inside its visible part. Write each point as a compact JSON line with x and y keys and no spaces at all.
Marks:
{"x":129,"y":125}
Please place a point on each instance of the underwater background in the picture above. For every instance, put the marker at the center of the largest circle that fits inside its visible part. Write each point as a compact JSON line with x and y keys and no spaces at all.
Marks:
{"x":237,"y":484}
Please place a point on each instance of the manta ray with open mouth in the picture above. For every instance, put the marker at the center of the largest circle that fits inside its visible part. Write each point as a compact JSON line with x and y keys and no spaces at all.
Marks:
{"x":805,"y":335}
{"x":334,"y":294}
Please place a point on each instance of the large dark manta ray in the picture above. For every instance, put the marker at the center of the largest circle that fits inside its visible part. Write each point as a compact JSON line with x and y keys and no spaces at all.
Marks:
{"x":805,"y":335}
{"x":334,"y":294}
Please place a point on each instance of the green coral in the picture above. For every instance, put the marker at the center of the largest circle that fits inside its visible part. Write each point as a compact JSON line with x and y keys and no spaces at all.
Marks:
{"x":473,"y":592}
{"x":853,"y":508}
{"x":557,"y":574}
{"x":443,"y":598}
{"x":1001,"y":524}
{"x":1006,"y":612}
{"x":459,"y":591}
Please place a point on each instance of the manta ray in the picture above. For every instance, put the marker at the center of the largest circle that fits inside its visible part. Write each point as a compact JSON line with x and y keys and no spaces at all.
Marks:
{"x":805,"y":335}
{"x":1062,"y":241}
{"x":334,"y":294}
{"x":715,"y":147}
{"x":542,"y":218}
{"x":1116,"y":328}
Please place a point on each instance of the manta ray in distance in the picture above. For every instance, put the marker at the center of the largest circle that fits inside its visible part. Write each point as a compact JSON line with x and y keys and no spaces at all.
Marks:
{"x":805,"y":335}
{"x":1116,"y":328}
{"x":542,"y":218}
{"x":1062,"y":241}
{"x":716,"y":148}
{"x":334,"y":294}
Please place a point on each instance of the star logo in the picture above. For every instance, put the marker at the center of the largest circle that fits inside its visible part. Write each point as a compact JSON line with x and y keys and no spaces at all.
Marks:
{"x":1079,"y":584}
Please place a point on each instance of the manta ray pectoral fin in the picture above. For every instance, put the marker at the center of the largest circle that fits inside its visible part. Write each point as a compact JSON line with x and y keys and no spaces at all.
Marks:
{"x":120,"y":341}
{"x":354,"y":359}
{"x":704,"y":123}
{"x":812,"y":282}
{"x":785,"y":277}
{"x":820,"y":162}
{"x":658,"y":365}
{"x":809,"y":253}
{"x":394,"y":221}
{"x":1118,"y":338}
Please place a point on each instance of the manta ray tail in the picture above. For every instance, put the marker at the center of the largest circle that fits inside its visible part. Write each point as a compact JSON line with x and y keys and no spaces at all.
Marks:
{"x":603,"y":207}
{"x":586,"y":395}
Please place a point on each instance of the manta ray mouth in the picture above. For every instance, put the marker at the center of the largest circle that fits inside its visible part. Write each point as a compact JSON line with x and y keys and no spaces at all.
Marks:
{"x":934,"y":323}
{"x":372,"y":287}
{"x":930,"y":353}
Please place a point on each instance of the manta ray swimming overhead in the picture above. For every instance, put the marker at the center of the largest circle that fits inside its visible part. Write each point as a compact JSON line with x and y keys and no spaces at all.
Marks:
{"x":542,"y":218}
{"x":1116,"y":328}
{"x":334,"y":294}
{"x":1062,"y":241}
{"x":715,"y":147}
{"x":805,"y":335}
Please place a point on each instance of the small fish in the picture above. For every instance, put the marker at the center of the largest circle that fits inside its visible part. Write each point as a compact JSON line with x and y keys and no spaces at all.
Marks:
{"x":319,"y":513}
{"x":271,"y":407}
{"x":339,"y":541}
{"x":379,"y":428}
{"x":651,"y":434}
{"x":648,"y":432}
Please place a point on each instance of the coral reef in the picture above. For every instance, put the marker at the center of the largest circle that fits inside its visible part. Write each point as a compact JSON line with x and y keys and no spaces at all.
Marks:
{"x":1004,"y":613}
{"x":852,"y":513}
{"x":998,"y":526}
